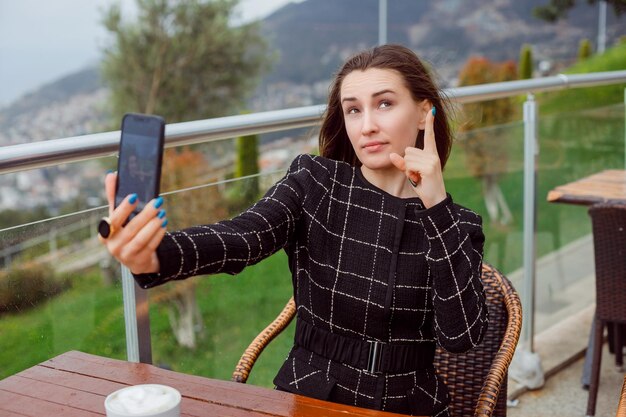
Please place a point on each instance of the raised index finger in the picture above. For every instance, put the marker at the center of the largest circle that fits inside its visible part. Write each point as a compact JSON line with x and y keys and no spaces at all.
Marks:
{"x":430,"y":145}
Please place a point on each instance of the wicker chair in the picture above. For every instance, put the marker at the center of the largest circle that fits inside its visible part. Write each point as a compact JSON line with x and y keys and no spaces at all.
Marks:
{"x":621,"y":406}
{"x":609,"y":243}
{"x":477,"y":379}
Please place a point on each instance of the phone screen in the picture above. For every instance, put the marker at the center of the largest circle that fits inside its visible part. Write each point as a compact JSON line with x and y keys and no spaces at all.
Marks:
{"x":140,"y":159}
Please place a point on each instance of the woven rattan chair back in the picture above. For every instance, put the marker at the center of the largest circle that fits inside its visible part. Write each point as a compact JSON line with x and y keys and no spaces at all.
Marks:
{"x":609,"y":242}
{"x":482,"y":372}
{"x":621,"y":406}
{"x":477,"y":379}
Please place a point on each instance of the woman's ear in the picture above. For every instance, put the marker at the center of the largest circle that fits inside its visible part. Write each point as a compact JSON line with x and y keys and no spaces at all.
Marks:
{"x":424,"y":107}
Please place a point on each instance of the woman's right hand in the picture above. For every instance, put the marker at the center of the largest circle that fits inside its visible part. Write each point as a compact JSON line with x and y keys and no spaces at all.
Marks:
{"x":135,"y":244}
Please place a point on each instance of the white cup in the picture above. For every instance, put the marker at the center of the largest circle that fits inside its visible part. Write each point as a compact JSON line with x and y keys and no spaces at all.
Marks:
{"x":148,"y":400}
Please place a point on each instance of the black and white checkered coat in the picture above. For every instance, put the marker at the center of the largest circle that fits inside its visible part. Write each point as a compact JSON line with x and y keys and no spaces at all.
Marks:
{"x":365,"y":265}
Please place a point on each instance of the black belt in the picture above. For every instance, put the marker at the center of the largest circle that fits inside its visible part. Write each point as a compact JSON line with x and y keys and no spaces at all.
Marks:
{"x":369,"y":355}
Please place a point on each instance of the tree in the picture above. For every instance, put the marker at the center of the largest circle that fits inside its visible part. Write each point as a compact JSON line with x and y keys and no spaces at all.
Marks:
{"x":245,"y":192}
{"x":182,"y":169}
{"x":557,"y":9}
{"x":183,"y":60}
{"x":584,"y":49}
{"x":486,"y":151}
{"x":526,"y":62}
{"x":247,"y":156}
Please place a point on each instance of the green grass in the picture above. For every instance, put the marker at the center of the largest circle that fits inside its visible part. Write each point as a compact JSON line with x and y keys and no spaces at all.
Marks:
{"x":235,"y":310}
{"x":90,"y":318}
{"x":86,"y":317}
{"x":581,"y":131}
{"x":572,"y":144}
{"x":614,"y":59}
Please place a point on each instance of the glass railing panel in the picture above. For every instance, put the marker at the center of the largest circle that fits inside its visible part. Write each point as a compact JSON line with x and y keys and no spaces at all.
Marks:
{"x":485,"y":173}
{"x":202,"y":325}
{"x":573,"y":144}
{"x":59,"y":291}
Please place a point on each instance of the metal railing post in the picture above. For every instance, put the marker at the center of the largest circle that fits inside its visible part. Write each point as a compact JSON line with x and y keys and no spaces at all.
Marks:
{"x":526,"y":366}
{"x":531,"y":150}
{"x":382,"y":22}
{"x":137,"y":319}
{"x":601,"y":26}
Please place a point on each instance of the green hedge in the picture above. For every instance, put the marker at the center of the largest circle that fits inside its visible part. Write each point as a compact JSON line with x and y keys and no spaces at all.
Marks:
{"x":26,"y":286}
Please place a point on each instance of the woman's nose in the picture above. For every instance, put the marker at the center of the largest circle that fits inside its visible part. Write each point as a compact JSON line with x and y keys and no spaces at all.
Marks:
{"x":369,"y":123}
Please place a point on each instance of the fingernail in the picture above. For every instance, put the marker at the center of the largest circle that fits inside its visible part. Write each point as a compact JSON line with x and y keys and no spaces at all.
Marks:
{"x":164,"y":223}
{"x":109,"y":171}
{"x":158,"y":202}
{"x":132,"y":198}
{"x":434,"y":110}
{"x":161,"y":214}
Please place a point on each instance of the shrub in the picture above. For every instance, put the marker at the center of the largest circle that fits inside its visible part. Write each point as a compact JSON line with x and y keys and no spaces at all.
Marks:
{"x":26,"y":286}
{"x":584,"y":49}
{"x":526,"y":62}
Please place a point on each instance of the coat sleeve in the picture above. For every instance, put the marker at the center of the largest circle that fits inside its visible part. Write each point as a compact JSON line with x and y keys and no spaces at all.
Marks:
{"x":455,"y":253}
{"x":231,"y":245}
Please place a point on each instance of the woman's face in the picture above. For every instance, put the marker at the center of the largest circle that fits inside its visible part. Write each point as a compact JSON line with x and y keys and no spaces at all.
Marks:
{"x":380,"y":115}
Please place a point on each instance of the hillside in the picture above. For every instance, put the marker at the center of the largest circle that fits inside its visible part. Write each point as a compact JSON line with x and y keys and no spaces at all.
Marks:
{"x":313,"y":37}
{"x":587,"y":98}
{"x":72,"y":105}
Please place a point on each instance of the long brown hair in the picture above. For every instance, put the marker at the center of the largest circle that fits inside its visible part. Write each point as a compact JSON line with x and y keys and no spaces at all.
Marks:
{"x":333,"y":140}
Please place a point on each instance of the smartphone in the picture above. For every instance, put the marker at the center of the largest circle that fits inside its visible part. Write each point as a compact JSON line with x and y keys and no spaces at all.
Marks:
{"x":140,"y":158}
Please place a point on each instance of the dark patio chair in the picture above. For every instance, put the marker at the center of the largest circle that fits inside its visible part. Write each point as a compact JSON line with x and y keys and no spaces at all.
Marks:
{"x":609,"y":246}
{"x":477,"y":379}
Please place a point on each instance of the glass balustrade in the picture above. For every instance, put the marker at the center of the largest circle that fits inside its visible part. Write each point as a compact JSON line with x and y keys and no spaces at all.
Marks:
{"x":60,"y":291}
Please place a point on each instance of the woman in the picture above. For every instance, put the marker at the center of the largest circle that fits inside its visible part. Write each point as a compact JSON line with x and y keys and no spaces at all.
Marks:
{"x":384,"y":264}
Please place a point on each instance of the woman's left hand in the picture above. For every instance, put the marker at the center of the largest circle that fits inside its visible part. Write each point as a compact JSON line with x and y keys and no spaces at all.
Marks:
{"x":423,"y":167}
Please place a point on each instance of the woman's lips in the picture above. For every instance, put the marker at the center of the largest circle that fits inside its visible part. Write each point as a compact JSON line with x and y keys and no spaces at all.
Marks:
{"x":373,"y":146}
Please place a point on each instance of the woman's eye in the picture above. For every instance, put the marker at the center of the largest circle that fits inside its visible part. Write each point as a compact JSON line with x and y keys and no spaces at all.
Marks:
{"x":352,"y":110}
{"x":383,"y":104}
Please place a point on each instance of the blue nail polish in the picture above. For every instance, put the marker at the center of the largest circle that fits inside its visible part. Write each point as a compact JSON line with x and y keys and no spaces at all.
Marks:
{"x":132,"y":198}
{"x":109,"y":171}
{"x":164,"y":223}
{"x":434,"y":110}
{"x":158,"y":202}
{"x":161,"y":214}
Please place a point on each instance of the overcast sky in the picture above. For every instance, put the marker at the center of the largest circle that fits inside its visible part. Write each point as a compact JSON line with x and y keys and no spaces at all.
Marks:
{"x":41,"y":41}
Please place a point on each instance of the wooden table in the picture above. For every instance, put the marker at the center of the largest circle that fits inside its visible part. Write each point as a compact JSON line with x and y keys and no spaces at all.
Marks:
{"x":75,"y":384}
{"x":603,"y":187}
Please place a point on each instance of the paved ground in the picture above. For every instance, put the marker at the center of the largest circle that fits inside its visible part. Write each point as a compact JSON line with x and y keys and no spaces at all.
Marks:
{"x":563,"y":396}
{"x":565,"y":296}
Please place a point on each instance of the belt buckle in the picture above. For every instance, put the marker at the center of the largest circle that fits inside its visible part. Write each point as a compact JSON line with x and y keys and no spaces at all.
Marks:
{"x":374,"y":357}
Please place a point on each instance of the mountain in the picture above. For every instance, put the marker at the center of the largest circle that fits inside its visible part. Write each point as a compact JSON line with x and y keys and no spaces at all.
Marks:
{"x":315,"y":36}
{"x":70,"y":106}
{"x":312,"y":38}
